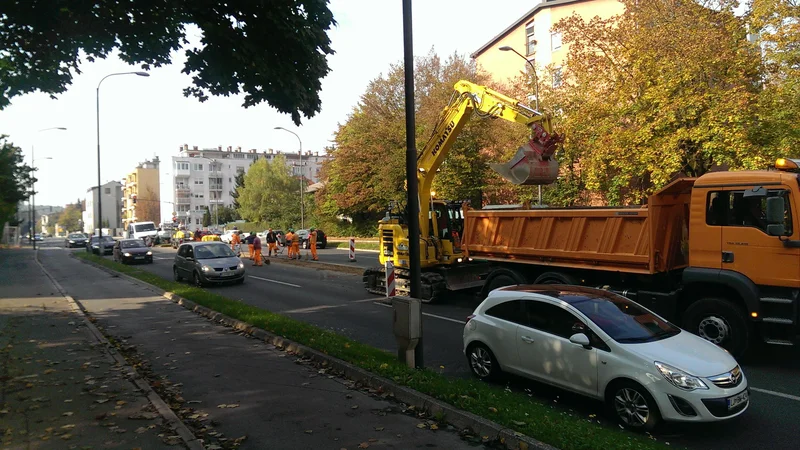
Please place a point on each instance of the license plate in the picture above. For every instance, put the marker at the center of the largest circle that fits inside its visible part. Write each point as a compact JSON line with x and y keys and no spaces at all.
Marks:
{"x":228,"y":274}
{"x":138,"y":257}
{"x":737,"y":399}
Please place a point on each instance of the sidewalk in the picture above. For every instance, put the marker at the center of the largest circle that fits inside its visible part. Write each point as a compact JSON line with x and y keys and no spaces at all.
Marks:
{"x":59,"y":388}
{"x":233,"y":389}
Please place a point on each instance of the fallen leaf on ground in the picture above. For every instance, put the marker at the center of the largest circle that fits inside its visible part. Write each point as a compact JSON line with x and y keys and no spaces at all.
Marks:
{"x":239,"y":440}
{"x":309,"y":431}
{"x":434,"y":426}
{"x":68,"y":413}
{"x":49,"y":371}
{"x":354,"y":407}
{"x":493,"y":409}
{"x":378,"y":428}
{"x":421,"y":425}
{"x":66,"y":436}
{"x":518,"y":423}
{"x":141,"y":430}
{"x":363,"y":445}
{"x":121,"y":402}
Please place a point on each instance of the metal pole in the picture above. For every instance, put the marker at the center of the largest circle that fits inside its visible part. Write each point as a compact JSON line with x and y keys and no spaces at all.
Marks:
{"x":33,"y":199}
{"x":99,"y":218}
{"x":302,"y":177}
{"x":540,"y":195}
{"x":411,"y":155}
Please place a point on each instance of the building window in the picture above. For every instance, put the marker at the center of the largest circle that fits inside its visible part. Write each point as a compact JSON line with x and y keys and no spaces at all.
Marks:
{"x":181,"y":166}
{"x":198,"y":181}
{"x":197,"y":167}
{"x":555,"y":39}
{"x":197,"y":221}
{"x":530,"y":39}
{"x":239,"y":169}
{"x":557,"y":77}
{"x":108,"y":191}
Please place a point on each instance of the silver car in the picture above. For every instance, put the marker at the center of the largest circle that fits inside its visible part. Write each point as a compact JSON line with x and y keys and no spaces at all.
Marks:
{"x":208,"y":262}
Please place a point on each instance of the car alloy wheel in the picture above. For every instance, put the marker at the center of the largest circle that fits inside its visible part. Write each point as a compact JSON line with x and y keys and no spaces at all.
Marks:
{"x":482,"y":362}
{"x":631,"y":407}
{"x":196,"y":279}
{"x":176,"y":274}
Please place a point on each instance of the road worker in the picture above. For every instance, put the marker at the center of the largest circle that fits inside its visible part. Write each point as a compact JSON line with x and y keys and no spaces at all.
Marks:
{"x":289,"y":239}
{"x":296,"y":245}
{"x":312,"y":243}
{"x":249,"y":241}
{"x":272,"y":242}
{"x":236,"y":241}
{"x":257,"y":261}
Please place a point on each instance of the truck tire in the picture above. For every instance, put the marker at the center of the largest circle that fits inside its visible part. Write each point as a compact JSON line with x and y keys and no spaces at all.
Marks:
{"x":555,"y":278}
{"x":719,"y":321}
{"x":501,"y":281}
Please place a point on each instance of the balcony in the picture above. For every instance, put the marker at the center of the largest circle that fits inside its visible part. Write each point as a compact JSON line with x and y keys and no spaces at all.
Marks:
{"x":182,"y":189}
{"x":215,"y":187}
{"x":215,"y":201}
{"x":183,"y":201}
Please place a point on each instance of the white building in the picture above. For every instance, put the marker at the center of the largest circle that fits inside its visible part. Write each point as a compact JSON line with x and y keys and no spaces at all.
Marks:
{"x":204,"y":178}
{"x":111,"y":205}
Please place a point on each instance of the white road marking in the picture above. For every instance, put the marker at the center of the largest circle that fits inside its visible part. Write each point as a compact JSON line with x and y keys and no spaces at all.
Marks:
{"x":158,"y":257}
{"x":275,"y":281}
{"x":777,"y":394}
{"x":429,"y":315}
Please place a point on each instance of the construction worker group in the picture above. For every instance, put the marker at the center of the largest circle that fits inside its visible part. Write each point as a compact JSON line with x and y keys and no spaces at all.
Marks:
{"x":274,"y":245}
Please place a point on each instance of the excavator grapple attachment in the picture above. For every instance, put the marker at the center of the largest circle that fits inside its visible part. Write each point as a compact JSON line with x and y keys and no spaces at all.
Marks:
{"x":534,"y":162}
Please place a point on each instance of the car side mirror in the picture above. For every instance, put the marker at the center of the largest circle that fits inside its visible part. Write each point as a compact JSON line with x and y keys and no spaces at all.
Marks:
{"x":580,"y":339}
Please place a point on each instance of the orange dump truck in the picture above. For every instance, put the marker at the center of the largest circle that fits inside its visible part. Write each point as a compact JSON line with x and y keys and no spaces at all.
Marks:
{"x":719,"y":254}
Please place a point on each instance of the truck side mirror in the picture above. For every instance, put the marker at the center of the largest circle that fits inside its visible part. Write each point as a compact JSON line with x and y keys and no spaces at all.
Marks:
{"x":775,"y":208}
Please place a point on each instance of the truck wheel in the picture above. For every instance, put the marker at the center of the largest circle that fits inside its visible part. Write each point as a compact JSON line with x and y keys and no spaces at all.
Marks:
{"x":720,"y":322}
{"x":501,"y":281}
{"x":555,"y":278}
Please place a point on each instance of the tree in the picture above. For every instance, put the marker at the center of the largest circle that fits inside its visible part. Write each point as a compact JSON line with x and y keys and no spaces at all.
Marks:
{"x":271,"y":194}
{"x":148,"y":207}
{"x":270,"y":51}
{"x":15,"y":177}
{"x":665,"y":88}
{"x":207,"y":220}
{"x":367,"y":168}
{"x":70,"y":217}
{"x":237,"y":186}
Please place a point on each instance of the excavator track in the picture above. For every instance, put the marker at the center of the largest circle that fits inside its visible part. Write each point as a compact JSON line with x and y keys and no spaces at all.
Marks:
{"x":433,"y":285}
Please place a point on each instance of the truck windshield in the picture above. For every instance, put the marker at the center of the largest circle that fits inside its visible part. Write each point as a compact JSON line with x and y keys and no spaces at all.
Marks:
{"x":144,"y":227}
{"x":625,"y":321}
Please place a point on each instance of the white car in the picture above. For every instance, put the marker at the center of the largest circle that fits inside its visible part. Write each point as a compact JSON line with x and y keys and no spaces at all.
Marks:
{"x":605,"y":346}
{"x":226,"y":238}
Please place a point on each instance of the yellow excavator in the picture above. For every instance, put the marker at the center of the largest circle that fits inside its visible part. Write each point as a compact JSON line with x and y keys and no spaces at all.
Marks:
{"x":441,"y":223}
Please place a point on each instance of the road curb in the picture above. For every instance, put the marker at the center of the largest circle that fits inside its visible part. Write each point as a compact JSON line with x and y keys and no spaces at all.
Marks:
{"x":161,"y":406}
{"x":461,"y":419}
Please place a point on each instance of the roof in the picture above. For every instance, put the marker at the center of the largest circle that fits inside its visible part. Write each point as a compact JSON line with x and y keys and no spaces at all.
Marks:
{"x":733,"y":178}
{"x":540,"y":6}
{"x":567,"y":293}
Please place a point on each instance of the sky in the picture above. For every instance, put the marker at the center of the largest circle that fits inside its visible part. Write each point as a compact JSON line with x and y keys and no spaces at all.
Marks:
{"x":144,"y":117}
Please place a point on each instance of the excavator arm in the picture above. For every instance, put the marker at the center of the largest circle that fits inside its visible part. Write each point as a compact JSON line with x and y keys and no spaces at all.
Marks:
{"x":533,"y":163}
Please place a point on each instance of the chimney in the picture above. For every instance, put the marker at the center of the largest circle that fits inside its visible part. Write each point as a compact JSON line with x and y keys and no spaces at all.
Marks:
{"x":219,"y":148}
{"x":271,"y":151}
{"x":186,"y":146}
{"x":239,"y":149}
{"x":316,"y":153}
{"x":194,"y":148}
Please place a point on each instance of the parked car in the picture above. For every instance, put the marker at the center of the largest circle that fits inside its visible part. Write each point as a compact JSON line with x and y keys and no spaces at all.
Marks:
{"x":38,"y":237}
{"x":93,"y":245}
{"x":208,"y":262}
{"x":263,"y":235}
{"x":605,"y":346}
{"x":75,"y":240}
{"x":322,"y":239}
{"x":228,"y":235}
{"x":132,"y":250}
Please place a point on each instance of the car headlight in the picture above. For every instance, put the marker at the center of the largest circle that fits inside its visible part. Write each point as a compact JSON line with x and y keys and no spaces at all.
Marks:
{"x":71,"y":242}
{"x":127,"y":254}
{"x":402,"y":247}
{"x":208,"y":269}
{"x":241,"y":265}
{"x":679,"y":378}
{"x":149,"y":253}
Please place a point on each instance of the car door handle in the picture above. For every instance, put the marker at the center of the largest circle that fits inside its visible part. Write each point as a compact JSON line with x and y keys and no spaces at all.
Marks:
{"x":527,"y":339}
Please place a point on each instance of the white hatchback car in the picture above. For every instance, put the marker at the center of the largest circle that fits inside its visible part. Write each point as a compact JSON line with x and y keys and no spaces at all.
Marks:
{"x":605,"y":346}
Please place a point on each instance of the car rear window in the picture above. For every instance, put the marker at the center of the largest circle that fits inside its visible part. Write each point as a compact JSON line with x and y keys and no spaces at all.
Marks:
{"x":623,"y":320}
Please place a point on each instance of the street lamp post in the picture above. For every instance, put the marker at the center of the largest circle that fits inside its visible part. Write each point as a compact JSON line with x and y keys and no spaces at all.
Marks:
{"x":99,"y":185}
{"x":302,"y":178}
{"x":506,"y":48}
{"x":33,"y":187}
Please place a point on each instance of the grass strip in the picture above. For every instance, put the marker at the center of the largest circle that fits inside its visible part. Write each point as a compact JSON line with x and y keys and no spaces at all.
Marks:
{"x":359,"y":245}
{"x":510,"y":409}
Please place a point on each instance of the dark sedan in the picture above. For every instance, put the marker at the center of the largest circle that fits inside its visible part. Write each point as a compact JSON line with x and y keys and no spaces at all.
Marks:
{"x":132,"y":250}
{"x":75,"y":240}
{"x":322,"y":239}
{"x":93,"y":246}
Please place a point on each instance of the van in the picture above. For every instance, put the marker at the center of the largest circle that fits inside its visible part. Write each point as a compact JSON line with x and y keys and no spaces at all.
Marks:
{"x":140,"y":230}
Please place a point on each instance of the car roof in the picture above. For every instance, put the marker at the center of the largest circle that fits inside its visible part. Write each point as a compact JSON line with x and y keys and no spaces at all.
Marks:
{"x":567,"y":293}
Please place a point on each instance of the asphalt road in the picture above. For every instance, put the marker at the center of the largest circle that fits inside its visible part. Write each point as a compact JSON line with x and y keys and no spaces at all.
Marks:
{"x":338,"y":302}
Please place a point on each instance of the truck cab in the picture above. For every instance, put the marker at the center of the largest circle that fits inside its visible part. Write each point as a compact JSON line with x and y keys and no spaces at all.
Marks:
{"x":744,"y":246}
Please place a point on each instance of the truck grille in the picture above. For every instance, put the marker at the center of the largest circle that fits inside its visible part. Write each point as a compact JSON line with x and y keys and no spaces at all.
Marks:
{"x":728,"y":379}
{"x":387,"y":242}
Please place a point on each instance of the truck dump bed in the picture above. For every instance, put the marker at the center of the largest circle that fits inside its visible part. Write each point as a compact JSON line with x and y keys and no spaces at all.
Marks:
{"x":646,"y":240}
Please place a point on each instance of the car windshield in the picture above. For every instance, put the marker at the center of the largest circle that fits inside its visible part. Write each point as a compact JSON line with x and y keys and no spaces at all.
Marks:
{"x":106,"y":239}
{"x":144,"y":227}
{"x":131,"y":244}
{"x":623,"y":320}
{"x":76,"y":236}
{"x":213,"y":251}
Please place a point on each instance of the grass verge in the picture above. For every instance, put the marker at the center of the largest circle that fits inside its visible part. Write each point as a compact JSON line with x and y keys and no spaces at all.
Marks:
{"x":510,"y":409}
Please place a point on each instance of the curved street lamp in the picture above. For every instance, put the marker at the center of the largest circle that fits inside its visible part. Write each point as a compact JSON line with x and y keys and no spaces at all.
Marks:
{"x":302,"y":178}
{"x":506,"y":48}
{"x":99,"y":186}
{"x":33,"y":186}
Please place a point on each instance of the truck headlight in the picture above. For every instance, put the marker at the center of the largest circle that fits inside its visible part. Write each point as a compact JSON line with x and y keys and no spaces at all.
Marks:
{"x":402,"y":247}
{"x":679,"y":378}
{"x":208,"y":269}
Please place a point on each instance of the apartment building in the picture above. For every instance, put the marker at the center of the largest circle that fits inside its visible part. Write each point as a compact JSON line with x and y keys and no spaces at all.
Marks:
{"x":204,"y":178}
{"x":532,"y":36}
{"x":111,"y":205}
{"x":141,"y":194}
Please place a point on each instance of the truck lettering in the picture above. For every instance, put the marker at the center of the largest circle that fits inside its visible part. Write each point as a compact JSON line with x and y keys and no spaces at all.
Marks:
{"x":738,"y":243}
{"x":448,"y":129}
